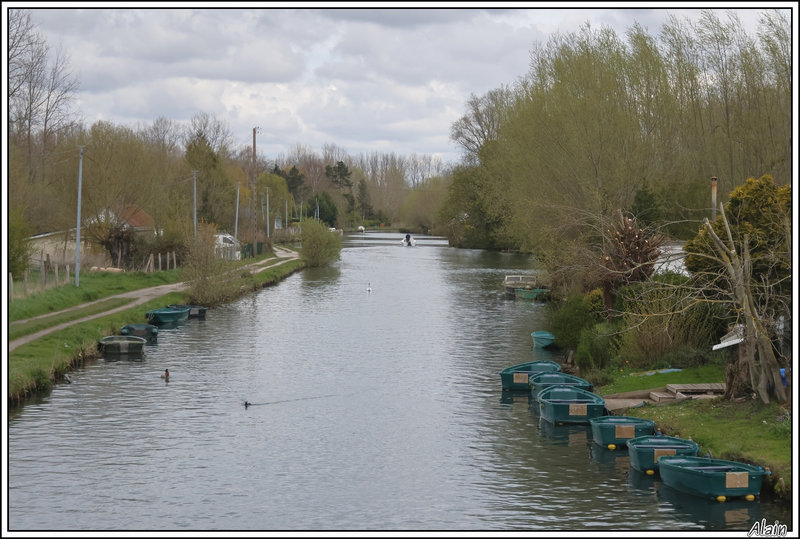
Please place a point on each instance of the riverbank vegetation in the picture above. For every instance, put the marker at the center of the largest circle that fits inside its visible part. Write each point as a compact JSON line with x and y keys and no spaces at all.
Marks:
{"x":34,"y":367}
{"x":320,"y":245}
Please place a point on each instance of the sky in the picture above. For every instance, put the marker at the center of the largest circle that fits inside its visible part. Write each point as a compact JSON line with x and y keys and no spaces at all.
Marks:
{"x":366,"y":79}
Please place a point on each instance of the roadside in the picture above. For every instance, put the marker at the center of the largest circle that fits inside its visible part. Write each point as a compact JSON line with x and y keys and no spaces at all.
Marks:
{"x":140,"y":296}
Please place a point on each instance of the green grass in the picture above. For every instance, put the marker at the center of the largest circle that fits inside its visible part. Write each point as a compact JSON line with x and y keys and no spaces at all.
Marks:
{"x":93,"y":286}
{"x":750,"y":431}
{"x":625,"y":381}
{"x":15,"y":331}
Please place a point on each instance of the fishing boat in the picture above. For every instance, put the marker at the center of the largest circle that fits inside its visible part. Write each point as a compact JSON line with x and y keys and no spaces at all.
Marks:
{"x":121,"y":344}
{"x":564,"y":404}
{"x":195,"y":311}
{"x":613,"y":431}
{"x":711,"y":478}
{"x":166,"y":315}
{"x":645,"y":451}
{"x":542,"y":339}
{"x":146,"y":331}
{"x":515,"y":378}
{"x":543,"y":380}
{"x":539,"y":294}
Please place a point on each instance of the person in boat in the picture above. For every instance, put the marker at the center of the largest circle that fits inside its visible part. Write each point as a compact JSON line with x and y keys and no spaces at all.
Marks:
{"x":408,"y":239}
{"x":165,"y":376}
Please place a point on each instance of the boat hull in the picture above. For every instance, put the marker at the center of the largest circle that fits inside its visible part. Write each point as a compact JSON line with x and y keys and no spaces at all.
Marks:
{"x":560,"y":404}
{"x":516,"y":377}
{"x":195,"y":311}
{"x":167,"y":315}
{"x":146,"y":331}
{"x":644,"y":451}
{"x":538,"y":294}
{"x":711,"y":478}
{"x":543,"y":380}
{"x":615,"y":431}
{"x":121,"y":345}
{"x":542,"y":339}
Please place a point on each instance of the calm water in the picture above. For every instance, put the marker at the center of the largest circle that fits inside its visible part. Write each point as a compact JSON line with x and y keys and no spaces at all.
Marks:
{"x":372,"y":410}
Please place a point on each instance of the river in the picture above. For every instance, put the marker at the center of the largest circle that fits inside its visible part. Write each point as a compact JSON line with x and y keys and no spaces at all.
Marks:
{"x":375,"y":405}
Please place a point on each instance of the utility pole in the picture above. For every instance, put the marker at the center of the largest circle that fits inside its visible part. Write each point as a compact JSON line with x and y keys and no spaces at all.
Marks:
{"x":253,"y":216}
{"x":78,"y":226}
{"x":236,"y":222}
{"x":713,"y":198}
{"x":194,"y":198}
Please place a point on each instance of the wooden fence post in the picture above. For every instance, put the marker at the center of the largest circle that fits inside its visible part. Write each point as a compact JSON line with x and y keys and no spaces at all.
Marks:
{"x":55,"y":267}
{"x":159,"y":261}
{"x":66,"y":270}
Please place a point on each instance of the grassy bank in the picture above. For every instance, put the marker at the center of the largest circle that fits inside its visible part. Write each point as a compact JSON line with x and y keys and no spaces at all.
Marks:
{"x":748,"y":431}
{"x":33,"y":368}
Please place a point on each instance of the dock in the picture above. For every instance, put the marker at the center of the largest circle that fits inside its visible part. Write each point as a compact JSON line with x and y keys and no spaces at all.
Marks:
{"x":663,"y":395}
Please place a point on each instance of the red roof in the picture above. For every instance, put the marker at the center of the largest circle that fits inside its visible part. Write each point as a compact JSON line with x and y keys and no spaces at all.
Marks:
{"x":137,"y":217}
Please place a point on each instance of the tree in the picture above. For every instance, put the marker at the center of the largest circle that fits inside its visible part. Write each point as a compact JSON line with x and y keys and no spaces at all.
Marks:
{"x":750,"y":270}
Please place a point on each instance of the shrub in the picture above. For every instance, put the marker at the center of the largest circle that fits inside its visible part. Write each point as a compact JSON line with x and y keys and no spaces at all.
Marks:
{"x":320,"y":246}
{"x":596,"y":347}
{"x":568,"y":320}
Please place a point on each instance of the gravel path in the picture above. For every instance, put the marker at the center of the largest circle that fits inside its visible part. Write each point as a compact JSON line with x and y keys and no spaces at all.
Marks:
{"x":140,"y":296}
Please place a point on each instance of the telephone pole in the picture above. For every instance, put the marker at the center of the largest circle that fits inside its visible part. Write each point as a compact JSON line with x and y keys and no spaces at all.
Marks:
{"x":253,"y":215}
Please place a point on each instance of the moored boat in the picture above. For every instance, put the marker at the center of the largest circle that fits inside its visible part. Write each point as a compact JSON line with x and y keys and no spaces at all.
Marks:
{"x":541,"y":381}
{"x":542,"y":339}
{"x":613,"y":431}
{"x":645,"y":451}
{"x":195,"y":311}
{"x":539,"y":294}
{"x":563,"y":404}
{"x":515,"y":378}
{"x":711,"y":478}
{"x":121,"y":344}
{"x":166,"y":315}
{"x":146,"y":331}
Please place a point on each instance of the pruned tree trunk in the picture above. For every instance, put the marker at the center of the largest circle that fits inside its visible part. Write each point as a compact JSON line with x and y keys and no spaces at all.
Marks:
{"x":756,"y":355}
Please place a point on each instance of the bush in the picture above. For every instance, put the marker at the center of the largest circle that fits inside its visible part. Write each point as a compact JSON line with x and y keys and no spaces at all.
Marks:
{"x":568,"y":320}
{"x":320,"y":246}
{"x":596,"y":347}
{"x":19,"y":248}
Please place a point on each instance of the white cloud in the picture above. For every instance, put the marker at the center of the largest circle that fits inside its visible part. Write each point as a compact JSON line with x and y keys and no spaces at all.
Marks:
{"x":364,"y":79}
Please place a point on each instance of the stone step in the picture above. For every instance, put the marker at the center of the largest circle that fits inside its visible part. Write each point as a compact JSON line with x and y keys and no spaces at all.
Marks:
{"x":709,"y":388}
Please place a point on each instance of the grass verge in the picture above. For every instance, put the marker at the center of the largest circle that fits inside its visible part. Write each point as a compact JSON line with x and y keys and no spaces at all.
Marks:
{"x":748,"y":431}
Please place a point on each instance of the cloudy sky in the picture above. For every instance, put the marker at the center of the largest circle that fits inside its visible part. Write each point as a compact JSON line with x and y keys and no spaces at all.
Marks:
{"x":369,"y":79}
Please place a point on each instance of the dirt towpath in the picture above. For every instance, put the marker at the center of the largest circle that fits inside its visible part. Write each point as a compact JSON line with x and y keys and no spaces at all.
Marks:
{"x":140,"y":296}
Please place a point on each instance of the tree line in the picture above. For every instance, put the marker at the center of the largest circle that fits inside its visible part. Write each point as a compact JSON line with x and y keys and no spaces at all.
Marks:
{"x":171,"y":169}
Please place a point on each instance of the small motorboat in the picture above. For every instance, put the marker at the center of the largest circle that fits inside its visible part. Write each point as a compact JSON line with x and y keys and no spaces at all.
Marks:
{"x":409,"y":241}
{"x":613,"y":431}
{"x":711,"y":478}
{"x":538,"y":294}
{"x":541,"y":381}
{"x":121,"y":344}
{"x":146,"y":331}
{"x":516,"y":377}
{"x":195,"y":311}
{"x":563,"y":404}
{"x":542,"y":339}
{"x":165,"y":315}
{"x":645,"y":451}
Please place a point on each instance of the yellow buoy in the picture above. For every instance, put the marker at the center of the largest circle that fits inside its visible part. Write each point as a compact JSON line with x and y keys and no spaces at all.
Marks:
{"x":612,"y":447}
{"x":650,"y":472}
{"x":750,"y":497}
{"x":721,"y":498}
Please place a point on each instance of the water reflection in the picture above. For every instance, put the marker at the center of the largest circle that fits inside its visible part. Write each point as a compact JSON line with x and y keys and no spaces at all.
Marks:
{"x":734,"y":514}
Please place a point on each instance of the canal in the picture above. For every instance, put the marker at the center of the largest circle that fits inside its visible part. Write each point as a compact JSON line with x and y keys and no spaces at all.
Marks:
{"x":375,"y":405}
